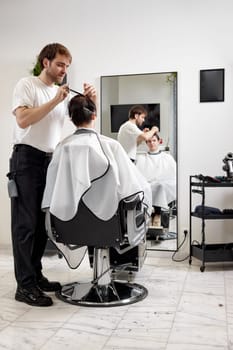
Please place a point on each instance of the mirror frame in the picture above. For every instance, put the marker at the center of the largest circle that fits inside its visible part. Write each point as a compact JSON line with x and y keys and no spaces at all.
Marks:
{"x":175,"y":91}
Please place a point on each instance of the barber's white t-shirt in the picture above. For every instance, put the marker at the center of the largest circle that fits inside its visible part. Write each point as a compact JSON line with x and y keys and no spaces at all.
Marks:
{"x":46,"y":133}
{"x":127,"y":136}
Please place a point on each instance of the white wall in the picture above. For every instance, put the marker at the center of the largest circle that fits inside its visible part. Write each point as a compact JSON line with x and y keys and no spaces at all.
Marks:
{"x":108,"y":37}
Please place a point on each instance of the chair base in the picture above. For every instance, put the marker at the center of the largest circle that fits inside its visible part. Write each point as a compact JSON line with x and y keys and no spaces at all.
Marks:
{"x":116,"y":293}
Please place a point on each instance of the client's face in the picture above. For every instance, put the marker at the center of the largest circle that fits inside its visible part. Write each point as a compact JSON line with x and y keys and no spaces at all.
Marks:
{"x":153,"y":144}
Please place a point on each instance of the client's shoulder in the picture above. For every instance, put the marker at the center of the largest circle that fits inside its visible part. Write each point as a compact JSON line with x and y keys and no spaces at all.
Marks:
{"x":108,"y":140}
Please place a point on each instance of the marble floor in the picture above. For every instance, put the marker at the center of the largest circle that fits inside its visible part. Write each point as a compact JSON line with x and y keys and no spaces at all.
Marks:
{"x":185,"y":309}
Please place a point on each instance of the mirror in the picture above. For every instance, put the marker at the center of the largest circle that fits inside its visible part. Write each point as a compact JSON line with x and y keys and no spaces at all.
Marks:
{"x":158,"y":91}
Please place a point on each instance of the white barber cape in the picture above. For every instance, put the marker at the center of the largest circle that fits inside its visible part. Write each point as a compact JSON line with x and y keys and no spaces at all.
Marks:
{"x":95,"y":168}
{"x":159,"y":169}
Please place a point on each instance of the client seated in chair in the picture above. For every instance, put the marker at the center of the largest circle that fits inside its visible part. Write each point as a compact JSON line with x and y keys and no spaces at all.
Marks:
{"x":95,"y":197}
{"x":159,"y":168}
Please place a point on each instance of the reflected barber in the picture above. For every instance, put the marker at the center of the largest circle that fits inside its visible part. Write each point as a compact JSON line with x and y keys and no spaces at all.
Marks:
{"x":130,"y":135}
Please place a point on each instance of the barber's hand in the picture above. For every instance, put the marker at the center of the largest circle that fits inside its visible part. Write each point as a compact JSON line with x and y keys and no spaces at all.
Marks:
{"x":155,"y":129}
{"x":90,"y":91}
{"x":62,"y":92}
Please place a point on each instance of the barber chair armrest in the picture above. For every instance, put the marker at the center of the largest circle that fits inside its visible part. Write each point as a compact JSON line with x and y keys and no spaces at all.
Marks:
{"x":132,"y":202}
{"x":136,"y":233}
{"x":135,"y":220}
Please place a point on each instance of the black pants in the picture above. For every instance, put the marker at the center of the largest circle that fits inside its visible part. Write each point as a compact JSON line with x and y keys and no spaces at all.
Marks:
{"x":28,"y":167}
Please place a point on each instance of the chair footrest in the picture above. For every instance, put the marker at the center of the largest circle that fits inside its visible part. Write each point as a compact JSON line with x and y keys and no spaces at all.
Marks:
{"x":115,"y":293}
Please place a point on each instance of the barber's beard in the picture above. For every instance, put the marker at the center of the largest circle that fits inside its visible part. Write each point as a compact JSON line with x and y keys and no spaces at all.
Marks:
{"x":54,"y":78}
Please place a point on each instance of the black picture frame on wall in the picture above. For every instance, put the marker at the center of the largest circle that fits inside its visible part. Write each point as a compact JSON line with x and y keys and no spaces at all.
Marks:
{"x":212,"y":85}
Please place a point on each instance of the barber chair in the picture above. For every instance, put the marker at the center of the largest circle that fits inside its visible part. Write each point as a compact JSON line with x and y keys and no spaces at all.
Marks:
{"x":161,"y":231}
{"x":123,"y":232}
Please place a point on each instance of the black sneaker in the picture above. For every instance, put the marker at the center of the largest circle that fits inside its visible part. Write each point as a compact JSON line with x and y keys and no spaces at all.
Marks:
{"x":47,"y":286}
{"x":33,"y":296}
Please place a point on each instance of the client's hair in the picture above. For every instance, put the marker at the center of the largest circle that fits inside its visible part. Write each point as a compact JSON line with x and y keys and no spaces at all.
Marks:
{"x":137,"y":109}
{"x":155,"y":135}
{"x":81,"y":109}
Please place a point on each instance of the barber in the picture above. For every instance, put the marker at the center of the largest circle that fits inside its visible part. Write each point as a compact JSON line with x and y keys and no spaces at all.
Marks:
{"x":130,"y":135}
{"x":39,"y":107}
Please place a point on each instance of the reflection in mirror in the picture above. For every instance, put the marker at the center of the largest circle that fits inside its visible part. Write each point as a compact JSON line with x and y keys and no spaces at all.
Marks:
{"x":157,"y":92}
